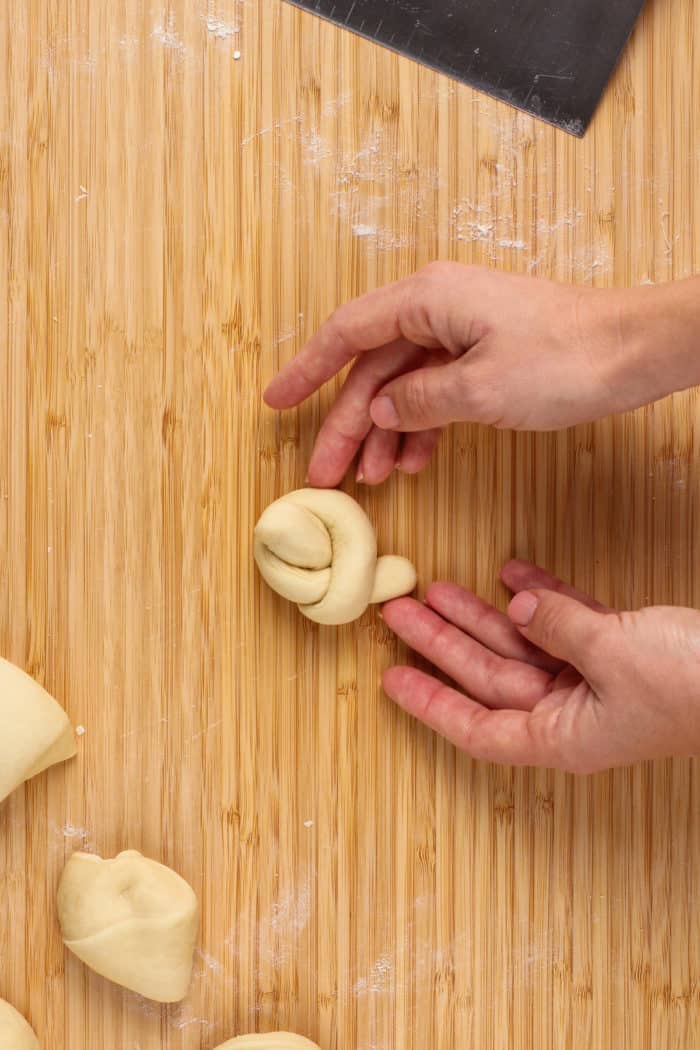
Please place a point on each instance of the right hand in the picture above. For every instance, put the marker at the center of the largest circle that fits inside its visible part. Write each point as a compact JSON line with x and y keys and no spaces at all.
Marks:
{"x":461,"y":343}
{"x":561,"y":681}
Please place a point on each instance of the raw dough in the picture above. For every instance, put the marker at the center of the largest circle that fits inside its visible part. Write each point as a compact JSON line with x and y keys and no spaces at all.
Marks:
{"x":131,"y":920}
{"x":273,"y":1041}
{"x":36,"y":732}
{"x":15,"y":1033}
{"x":317,"y":547}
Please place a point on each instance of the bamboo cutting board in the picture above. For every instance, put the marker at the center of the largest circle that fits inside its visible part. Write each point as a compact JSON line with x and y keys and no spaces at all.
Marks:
{"x":185,"y":193}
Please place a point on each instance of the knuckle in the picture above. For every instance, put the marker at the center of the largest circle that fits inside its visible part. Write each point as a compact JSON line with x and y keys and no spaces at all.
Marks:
{"x":436,"y":271}
{"x":470,"y":739}
{"x":440,"y":270}
{"x":544,"y":738}
{"x":423,"y":294}
{"x":550,"y":625}
{"x":439,"y":635}
{"x":334,"y":328}
{"x":431,"y":701}
{"x":564,"y":620}
{"x":416,"y":398}
{"x":307,"y":372}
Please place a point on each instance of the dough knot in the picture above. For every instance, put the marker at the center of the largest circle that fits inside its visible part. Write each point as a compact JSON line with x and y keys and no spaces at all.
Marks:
{"x":318,"y":548}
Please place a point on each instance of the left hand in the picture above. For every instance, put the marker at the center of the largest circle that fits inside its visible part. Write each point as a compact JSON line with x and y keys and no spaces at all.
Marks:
{"x":561,"y":681}
{"x":465,"y":344}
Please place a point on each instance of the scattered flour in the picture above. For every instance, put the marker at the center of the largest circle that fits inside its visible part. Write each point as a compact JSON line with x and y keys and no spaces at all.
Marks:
{"x":178,"y":1016}
{"x":361,"y":229}
{"x":316,"y":148}
{"x":331,"y":108}
{"x":569,"y":220}
{"x":129,"y":44}
{"x":516,"y":246}
{"x":168,"y":36}
{"x":77,"y":837}
{"x":70,"y":831}
{"x":220,"y":29}
{"x":278,"y":932}
{"x":208,"y":963}
{"x":379,"y":976}
{"x":291,"y":914}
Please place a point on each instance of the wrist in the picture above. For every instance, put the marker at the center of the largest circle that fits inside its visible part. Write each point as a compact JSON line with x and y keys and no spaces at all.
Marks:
{"x":652,"y":343}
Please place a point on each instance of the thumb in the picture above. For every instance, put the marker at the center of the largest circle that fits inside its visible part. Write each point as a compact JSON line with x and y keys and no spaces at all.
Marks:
{"x":558,"y":624}
{"x":421,"y":400}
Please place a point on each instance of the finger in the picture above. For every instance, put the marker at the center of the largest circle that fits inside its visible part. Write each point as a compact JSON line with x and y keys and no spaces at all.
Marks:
{"x":560,"y":625}
{"x":514,"y":738}
{"x":489,"y":678}
{"x":524,"y":576}
{"x":426,"y":398}
{"x":363,"y":324}
{"x":378,"y":458}
{"x":430,"y":309}
{"x":417,"y":449}
{"x":348,"y":422}
{"x":489,"y":626}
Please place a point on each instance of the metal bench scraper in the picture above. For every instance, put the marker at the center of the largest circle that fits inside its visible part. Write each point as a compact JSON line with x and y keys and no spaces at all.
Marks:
{"x":551,"y":59}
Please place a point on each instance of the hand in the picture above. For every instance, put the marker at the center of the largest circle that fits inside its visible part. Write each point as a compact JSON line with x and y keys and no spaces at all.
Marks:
{"x":463,"y":343}
{"x":560,"y":681}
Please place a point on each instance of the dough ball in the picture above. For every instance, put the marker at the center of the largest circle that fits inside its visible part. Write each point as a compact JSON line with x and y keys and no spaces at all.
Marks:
{"x":36,"y":731}
{"x":273,"y":1041}
{"x":131,"y":920}
{"x":15,"y":1033}
{"x":318,"y":548}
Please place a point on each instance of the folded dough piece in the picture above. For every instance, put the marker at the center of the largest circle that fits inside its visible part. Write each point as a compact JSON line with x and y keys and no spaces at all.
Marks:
{"x":132,"y":920}
{"x":36,"y":732}
{"x":272,"y":1041}
{"x":318,"y":548}
{"x":15,"y":1033}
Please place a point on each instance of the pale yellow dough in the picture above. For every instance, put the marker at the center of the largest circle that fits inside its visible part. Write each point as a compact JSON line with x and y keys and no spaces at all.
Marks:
{"x":318,"y":548}
{"x":15,"y":1033}
{"x":272,"y":1041}
{"x":36,"y":732}
{"x":131,"y":920}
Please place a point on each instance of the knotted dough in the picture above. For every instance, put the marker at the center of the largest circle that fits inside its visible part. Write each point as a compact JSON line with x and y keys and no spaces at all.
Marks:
{"x":131,"y":920}
{"x":317,"y":547}
{"x":15,"y":1033}
{"x":272,"y":1041}
{"x":36,"y":732}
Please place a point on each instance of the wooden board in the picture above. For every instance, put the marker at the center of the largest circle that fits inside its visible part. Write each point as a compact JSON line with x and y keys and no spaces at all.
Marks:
{"x":174,"y":221}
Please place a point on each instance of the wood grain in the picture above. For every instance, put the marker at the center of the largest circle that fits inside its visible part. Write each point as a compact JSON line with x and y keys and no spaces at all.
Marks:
{"x":174,"y":221}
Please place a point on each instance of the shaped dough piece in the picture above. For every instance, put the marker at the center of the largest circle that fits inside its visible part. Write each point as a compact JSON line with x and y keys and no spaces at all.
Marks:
{"x":131,"y":920}
{"x":36,"y":732}
{"x":317,"y":547}
{"x":273,"y":1041}
{"x":15,"y":1033}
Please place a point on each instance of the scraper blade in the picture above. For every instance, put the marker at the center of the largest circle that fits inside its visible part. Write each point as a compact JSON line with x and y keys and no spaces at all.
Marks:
{"x":551,"y":59}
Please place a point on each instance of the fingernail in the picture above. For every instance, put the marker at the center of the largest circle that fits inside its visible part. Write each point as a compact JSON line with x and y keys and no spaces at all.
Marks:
{"x":360,"y":476}
{"x":522,"y":608}
{"x":383,"y":413}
